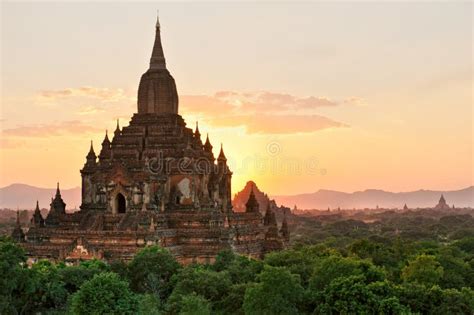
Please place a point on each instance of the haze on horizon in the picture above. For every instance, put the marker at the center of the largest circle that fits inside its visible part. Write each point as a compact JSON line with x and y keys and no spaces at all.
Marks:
{"x":342,"y":96}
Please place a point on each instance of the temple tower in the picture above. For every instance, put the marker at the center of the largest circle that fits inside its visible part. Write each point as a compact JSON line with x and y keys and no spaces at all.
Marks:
{"x":157,"y":92}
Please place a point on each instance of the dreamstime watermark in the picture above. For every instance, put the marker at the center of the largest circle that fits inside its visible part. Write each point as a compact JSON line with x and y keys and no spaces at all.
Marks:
{"x":273,"y":148}
{"x":270,"y":163}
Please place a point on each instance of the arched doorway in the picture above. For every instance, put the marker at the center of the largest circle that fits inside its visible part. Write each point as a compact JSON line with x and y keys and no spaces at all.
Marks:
{"x":120,"y":203}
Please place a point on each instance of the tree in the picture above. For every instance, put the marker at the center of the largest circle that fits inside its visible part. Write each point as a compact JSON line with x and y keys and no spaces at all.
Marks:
{"x":456,"y":302}
{"x":223,"y":260}
{"x":466,"y":244}
{"x":74,"y":276}
{"x":49,"y":291}
{"x":149,"y":304}
{"x":424,"y":269}
{"x":241,"y":269}
{"x":334,"y":267}
{"x":151,"y":270}
{"x":104,"y":294}
{"x":353,"y":295}
{"x":14,"y":280}
{"x":194,"y":305}
{"x":297,"y":262}
{"x":233,"y":302}
{"x":277,"y":292}
{"x":197,"y":279}
{"x":457,"y":272}
{"x":434,"y":300}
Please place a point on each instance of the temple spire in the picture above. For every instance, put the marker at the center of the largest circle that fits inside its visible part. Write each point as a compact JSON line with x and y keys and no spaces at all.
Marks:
{"x":106,"y":138}
{"x":117,"y":130}
{"x":442,"y":200}
{"x":157,"y":60}
{"x":91,"y":156}
{"x":252,"y":204}
{"x":91,"y":150}
{"x":196,"y":131}
{"x":207,"y":144}
{"x":157,"y":93}
{"x":37,"y":218}
{"x":17,"y":233}
{"x":221,"y":154}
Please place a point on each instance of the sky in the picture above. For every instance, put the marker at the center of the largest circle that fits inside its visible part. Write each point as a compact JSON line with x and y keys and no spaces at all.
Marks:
{"x":304,"y":96}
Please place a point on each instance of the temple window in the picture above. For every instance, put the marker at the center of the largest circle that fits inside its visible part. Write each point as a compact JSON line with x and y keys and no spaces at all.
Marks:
{"x":120,"y":203}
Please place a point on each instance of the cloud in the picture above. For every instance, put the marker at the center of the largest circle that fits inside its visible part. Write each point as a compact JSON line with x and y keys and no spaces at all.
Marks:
{"x":52,"y":129}
{"x":103,"y":94}
{"x":204,"y":105}
{"x":90,"y":110}
{"x":263,"y":112}
{"x":257,"y":111}
{"x":278,"y":124}
{"x":11,"y":144}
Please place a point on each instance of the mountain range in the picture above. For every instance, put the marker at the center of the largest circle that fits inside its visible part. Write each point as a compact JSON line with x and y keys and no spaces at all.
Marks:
{"x":25,"y":196}
{"x":371,"y":198}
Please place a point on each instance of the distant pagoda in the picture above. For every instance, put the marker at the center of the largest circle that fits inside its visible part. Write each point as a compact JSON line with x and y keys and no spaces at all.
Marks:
{"x":154,"y":182}
{"x":442,"y":205}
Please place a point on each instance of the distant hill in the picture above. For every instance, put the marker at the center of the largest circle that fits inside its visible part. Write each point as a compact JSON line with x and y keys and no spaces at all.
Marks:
{"x":240,"y":198}
{"x":371,"y":198}
{"x":25,"y":196}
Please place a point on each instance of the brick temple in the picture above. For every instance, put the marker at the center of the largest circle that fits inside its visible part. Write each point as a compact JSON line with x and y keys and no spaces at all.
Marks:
{"x":154,"y":182}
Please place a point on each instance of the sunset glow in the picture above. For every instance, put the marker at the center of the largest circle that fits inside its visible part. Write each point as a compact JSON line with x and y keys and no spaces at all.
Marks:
{"x":300,"y":100}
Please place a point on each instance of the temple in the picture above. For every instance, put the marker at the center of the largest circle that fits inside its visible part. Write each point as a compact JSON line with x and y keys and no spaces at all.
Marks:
{"x":154,"y":182}
{"x":442,"y":205}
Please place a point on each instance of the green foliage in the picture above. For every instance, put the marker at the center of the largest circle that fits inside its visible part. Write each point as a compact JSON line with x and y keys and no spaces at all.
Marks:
{"x":49,"y":289}
{"x":466,"y":244}
{"x":434,"y":300}
{"x":194,"y":305}
{"x":425,"y":269}
{"x":223,"y":260}
{"x":334,"y":267}
{"x":278,"y":291}
{"x":149,"y":304}
{"x":120,"y":268}
{"x":211,"y":285}
{"x":151,"y":270}
{"x":398,"y":265}
{"x":297,"y":262}
{"x":74,"y":276}
{"x":353,"y":295}
{"x":14,"y":279}
{"x":240,"y":269}
{"x":233,"y":302}
{"x":106,"y":293}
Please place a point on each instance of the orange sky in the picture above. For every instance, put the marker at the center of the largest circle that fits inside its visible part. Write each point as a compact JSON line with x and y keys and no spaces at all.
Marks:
{"x":304,"y":97}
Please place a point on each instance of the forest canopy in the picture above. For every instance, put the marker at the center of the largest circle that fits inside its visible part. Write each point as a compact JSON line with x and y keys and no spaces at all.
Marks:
{"x":347,"y":267}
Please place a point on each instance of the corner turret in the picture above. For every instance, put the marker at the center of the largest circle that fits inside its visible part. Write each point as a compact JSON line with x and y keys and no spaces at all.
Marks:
{"x":17,"y":233}
{"x":57,"y":208}
{"x":252,"y":203}
{"x":91,"y":157}
{"x":197,"y":136}
{"x":37,"y":219}
{"x":105,"y":152}
{"x":117,"y":130}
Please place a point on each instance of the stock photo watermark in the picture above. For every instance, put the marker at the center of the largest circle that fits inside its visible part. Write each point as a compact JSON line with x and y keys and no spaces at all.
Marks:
{"x":270,"y":162}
